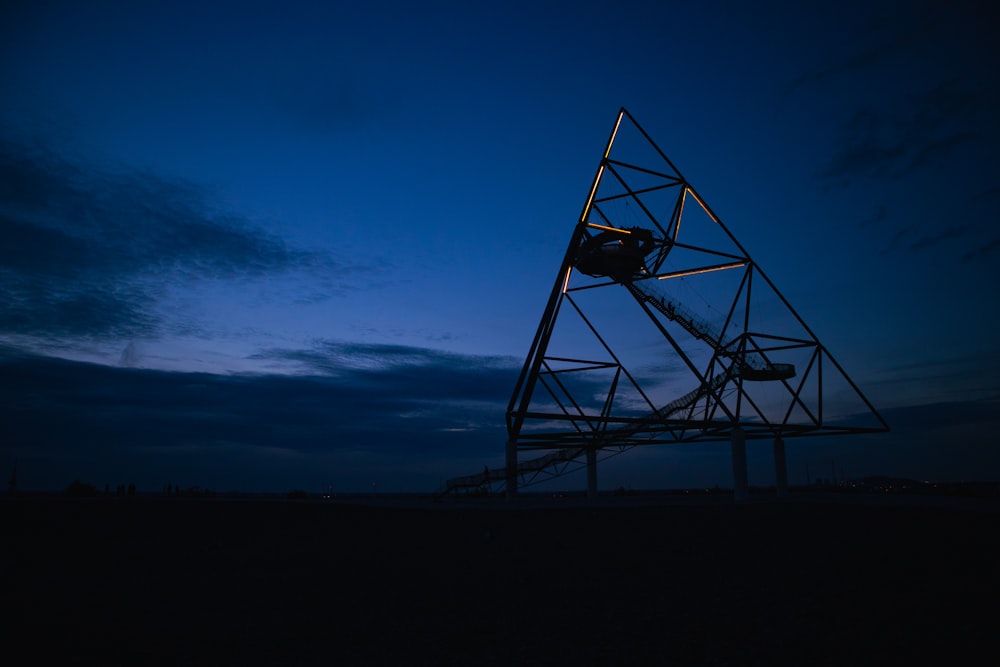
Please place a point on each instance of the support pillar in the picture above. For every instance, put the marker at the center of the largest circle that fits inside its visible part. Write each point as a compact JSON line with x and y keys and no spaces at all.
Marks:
{"x":511,"y":469}
{"x":739,"y":449}
{"x":780,"y":469}
{"x":591,"y":473}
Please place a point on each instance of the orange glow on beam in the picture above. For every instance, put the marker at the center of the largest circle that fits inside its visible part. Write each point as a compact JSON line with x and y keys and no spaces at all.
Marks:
{"x":702,"y":204}
{"x":680,"y":213}
{"x":614,"y":133}
{"x":600,"y":170}
{"x":569,"y":272}
{"x":706,"y":269}
{"x":593,"y":191}
{"x":610,"y":229}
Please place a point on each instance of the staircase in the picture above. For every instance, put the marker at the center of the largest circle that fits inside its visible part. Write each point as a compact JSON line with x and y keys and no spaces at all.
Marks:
{"x":550,"y":463}
{"x":555,"y":463}
{"x":674,"y":312}
{"x":752,"y":366}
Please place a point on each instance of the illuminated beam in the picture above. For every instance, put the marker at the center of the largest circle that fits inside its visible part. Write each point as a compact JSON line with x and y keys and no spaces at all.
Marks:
{"x":593,"y":191}
{"x":702,"y":204}
{"x":606,"y":228}
{"x":680,"y":214}
{"x":614,"y":132}
{"x":569,"y":272}
{"x":704,"y":269}
{"x":600,"y":171}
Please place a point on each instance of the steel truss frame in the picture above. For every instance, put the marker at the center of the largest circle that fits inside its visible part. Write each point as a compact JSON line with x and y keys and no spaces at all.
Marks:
{"x":740,"y":355}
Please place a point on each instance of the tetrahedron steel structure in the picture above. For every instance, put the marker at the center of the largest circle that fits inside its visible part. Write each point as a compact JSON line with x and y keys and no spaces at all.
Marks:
{"x":660,"y":328}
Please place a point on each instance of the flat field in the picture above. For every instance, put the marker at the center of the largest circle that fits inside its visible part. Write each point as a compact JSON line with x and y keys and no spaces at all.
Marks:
{"x":611,"y":582}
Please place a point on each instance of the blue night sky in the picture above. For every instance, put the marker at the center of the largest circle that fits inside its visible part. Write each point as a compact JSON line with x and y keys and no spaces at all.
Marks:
{"x":265,"y":246}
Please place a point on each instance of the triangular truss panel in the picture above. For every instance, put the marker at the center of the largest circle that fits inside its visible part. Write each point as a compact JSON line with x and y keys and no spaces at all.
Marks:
{"x":667,"y":328}
{"x":661,"y":328}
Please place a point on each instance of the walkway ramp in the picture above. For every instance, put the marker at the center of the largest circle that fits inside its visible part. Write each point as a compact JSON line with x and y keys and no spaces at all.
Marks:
{"x":562,"y":461}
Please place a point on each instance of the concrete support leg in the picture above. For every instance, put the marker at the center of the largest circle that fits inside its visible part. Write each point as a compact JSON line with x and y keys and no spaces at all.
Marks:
{"x":591,"y":473}
{"x":739,"y":447}
{"x":780,"y":469}
{"x":511,"y":469}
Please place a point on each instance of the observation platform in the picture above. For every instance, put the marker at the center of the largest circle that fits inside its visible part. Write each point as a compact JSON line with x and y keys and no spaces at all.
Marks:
{"x":616,"y":253}
{"x":768,"y":372}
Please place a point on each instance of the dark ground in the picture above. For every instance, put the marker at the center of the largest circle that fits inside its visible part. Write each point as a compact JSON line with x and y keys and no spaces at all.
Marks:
{"x":618,"y":582}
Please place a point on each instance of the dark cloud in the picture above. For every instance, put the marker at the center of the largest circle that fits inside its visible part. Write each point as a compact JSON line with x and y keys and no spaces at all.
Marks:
{"x":421,"y":372}
{"x":884,"y":34}
{"x":878,"y":216}
{"x":914,"y":239}
{"x":947,"y":234}
{"x":969,"y":376}
{"x":989,"y":192}
{"x":416,"y":420}
{"x":985,"y":250}
{"x":421,"y":406}
{"x":87,"y":249}
{"x":898,"y":237}
{"x":861,"y":59}
{"x":893,"y":142}
{"x":49,"y":311}
{"x":914,"y":420}
{"x":935,"y":67}
{"x":317,"y":100}
{"x":917,"y":92}
{"x":944,"y":441}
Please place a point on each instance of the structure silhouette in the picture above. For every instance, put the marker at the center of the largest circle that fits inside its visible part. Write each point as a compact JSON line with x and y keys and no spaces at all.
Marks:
{"x":660,"y":328}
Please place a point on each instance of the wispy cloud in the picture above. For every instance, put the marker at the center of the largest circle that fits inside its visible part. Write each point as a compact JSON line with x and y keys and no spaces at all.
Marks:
{"x":881,"y":34}
{"x":985,"y":250}
{"x":858,"y":60}
{"x":915,"y":239}
{"x":426,"y":373}
{"x":917,"y":86}
{"x":318,"y":100}
{"x":88,"y":250}
{"x":878,"y":216}
{"x":959,"y":378}
{"x":951,"y":233}
{"x":893,"y":142}
{"x":899,"y":238}
{"x":916,"y":92}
